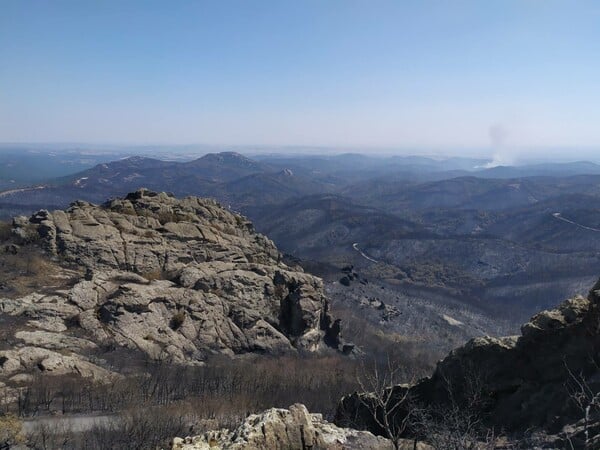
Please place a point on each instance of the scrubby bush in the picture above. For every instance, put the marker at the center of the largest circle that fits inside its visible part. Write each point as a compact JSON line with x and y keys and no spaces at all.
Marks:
{"x":177,"y":320}
{"x":27,"y":271}
{"x":11,"y":431}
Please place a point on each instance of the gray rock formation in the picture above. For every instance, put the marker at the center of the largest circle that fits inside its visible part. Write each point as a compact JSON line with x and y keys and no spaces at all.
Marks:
{"x":178,"y":280}
{"x":150,"y":232}
{"x":284,"y":429}
{"x":522,"y":381}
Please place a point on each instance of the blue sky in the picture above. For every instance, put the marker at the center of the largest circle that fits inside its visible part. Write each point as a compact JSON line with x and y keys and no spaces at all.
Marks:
{"x":400,"y":74}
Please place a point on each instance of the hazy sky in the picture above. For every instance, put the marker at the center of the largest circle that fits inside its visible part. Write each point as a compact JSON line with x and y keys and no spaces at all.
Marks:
{"x":487,"y":74}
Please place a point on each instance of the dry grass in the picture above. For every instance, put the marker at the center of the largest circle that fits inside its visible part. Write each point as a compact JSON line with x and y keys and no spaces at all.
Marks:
{"x":30,"y":271}
{"x":11,"y":431}
{"x":154,"y":275}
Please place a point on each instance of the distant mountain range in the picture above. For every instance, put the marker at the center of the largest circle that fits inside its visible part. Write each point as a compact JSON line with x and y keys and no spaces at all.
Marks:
{"x":234,"y":178}
{"x":485,"y":235}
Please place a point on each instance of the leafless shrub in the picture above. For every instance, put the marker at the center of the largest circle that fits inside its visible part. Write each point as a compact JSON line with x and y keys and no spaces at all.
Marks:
{"x":50,"y":435}
{"x":390,"y":407}
{"x":137,"y":429}
{"x":458,"y":424}
{"x":224,"y":387}
{"x":586,"y":398}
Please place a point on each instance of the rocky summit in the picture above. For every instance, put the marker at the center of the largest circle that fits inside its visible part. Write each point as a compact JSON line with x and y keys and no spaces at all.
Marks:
{"x":149,"y":232}
{"x":175,"y":279}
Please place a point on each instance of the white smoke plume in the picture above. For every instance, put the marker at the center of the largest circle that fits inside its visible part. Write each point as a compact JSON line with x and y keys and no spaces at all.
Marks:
{"x":501,"y":155}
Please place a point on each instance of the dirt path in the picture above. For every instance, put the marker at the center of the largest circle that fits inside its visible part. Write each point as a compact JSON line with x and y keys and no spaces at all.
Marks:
{"x":16,"y":191}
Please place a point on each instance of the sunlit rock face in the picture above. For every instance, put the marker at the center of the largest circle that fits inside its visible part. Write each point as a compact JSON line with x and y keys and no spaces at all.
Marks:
{"x":283,"y":429}
{"x":178,"y":280}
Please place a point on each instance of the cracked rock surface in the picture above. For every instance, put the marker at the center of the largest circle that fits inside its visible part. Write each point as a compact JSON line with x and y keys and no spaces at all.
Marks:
{"x":177,"y":280}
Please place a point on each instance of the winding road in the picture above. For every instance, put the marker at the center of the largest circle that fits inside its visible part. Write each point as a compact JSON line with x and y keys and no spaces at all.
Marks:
{"x":16,"y":191}
{"x":558,"y":216}
{"x":355,"y":247}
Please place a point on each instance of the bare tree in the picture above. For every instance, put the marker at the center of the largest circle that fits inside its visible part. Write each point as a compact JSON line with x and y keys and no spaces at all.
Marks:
{"x":458,"y":424}
{"x":388,"y":404}
{"x":587,"y":400}
{"x":50,"y":435}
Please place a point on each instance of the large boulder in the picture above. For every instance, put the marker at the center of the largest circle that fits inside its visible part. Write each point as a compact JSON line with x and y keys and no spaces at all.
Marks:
{"x":26,"y":359}
{"x":284,"y":429}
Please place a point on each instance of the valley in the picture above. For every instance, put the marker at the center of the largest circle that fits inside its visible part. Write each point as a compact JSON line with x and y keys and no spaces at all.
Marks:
{"x":482,"y":236}
{"x":106,"y":279}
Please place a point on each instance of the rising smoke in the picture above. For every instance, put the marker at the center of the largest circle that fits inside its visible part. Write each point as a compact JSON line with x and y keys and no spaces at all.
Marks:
{"x":502,"y":155}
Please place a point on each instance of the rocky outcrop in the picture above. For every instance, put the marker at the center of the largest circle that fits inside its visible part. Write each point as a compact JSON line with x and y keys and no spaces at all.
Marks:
{"x":149,"y":232}
{"x":178,"y":280}
{"x":284,"y":429}
{"x":522,"y":381}
{"x":17,"y":365}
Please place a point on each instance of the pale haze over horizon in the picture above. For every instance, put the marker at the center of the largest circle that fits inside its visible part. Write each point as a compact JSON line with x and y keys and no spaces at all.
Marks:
{"x":510,"y":78}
